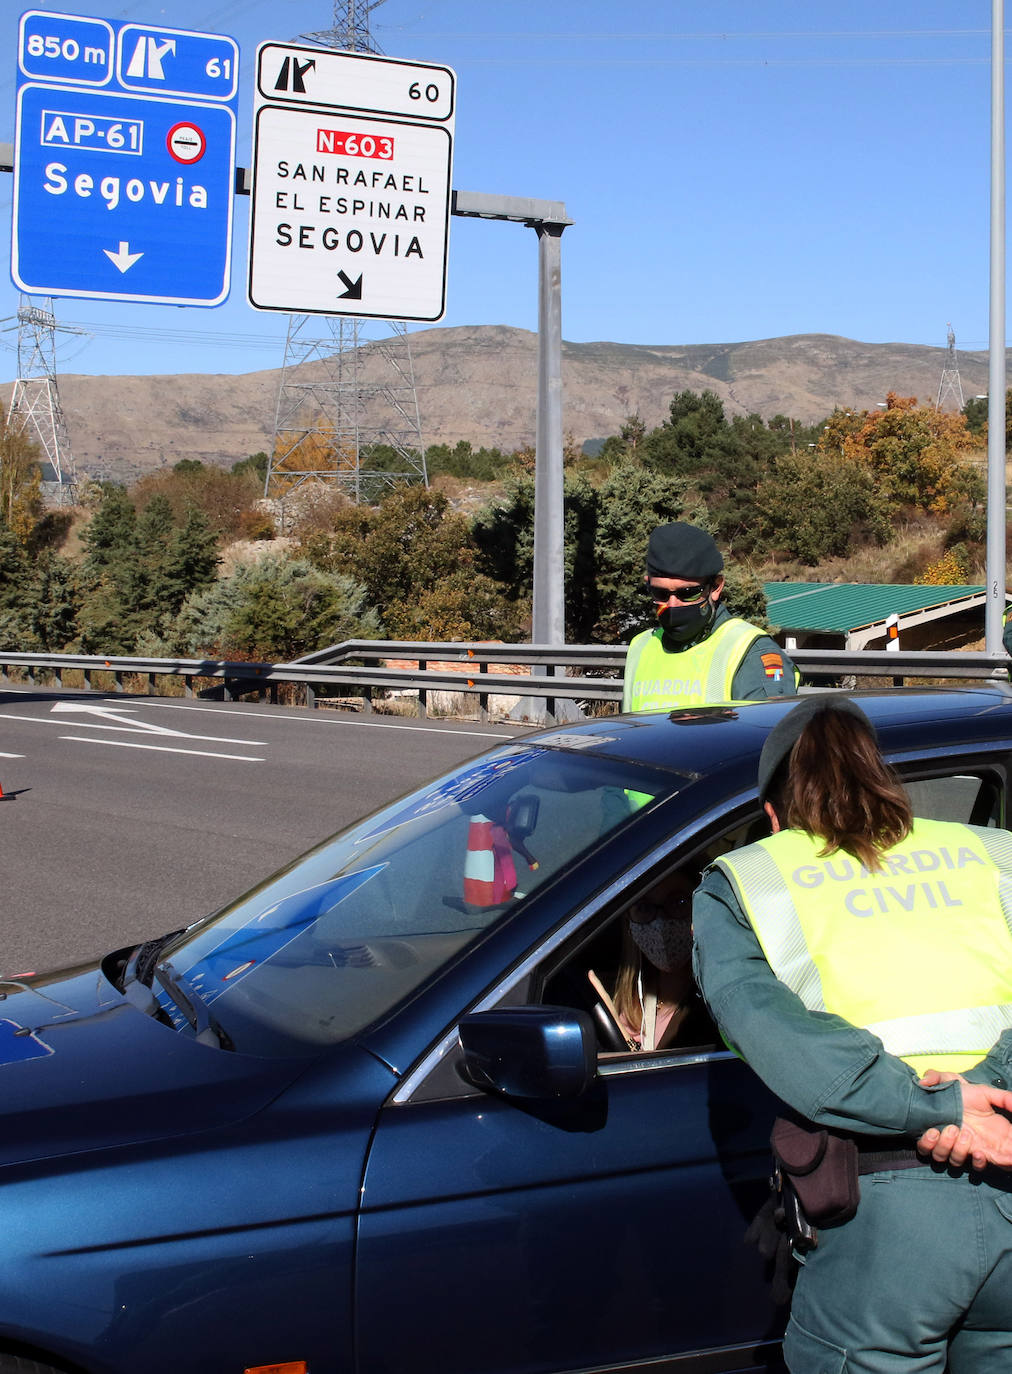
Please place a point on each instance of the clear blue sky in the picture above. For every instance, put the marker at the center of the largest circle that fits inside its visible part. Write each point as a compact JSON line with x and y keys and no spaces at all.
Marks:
{"x":736,"y":170}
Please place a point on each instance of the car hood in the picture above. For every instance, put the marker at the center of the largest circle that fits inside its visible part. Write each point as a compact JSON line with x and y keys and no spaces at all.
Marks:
{"x":81,"y":1069}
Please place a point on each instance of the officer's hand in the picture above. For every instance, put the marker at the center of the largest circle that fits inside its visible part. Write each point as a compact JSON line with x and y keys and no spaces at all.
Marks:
{"x":984,"y":1108}
{"x":939,"y":1142}
{"x":986,"y":1134}
{"x":953,"y":1145}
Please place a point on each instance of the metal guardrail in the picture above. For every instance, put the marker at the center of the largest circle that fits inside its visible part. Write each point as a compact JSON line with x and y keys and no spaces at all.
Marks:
{"x":555,"y":670}
{"x":332,"y":670}
{"x":572,"y":655}
{"x":916,"y":663}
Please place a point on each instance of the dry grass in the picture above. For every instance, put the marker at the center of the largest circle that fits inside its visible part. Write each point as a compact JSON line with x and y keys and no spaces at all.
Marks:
{"x":72,"y":546}
{"x":464,"y":495}
{"x":915,"y":545}
{"x":250,"y":551}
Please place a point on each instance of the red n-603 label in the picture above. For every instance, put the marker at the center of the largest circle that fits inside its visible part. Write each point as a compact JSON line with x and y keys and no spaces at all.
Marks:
{"x":354,"y":145}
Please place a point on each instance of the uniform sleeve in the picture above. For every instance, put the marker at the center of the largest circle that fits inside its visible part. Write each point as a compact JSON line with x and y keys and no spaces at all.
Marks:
{"x":830,"y":1071}
{"x":996,"y":1068}
{"x":765,"y":671}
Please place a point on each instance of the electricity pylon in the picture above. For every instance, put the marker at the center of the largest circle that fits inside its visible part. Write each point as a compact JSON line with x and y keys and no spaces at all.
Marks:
{"x":35,"y":401}
{"x":949,"y":383}
{"x":347,"y":385}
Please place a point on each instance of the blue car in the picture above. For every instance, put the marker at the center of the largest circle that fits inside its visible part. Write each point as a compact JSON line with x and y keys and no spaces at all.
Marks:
{"x":379,"y":1116}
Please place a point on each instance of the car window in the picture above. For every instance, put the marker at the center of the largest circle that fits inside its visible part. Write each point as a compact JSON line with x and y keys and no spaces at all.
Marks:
{"x":959,"y":797}
{"x":609,"y":979}
{"x":334,"y":941}
{"x":633,"y":974}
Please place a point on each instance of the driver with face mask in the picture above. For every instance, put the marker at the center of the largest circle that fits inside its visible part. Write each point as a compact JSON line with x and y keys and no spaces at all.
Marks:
{"x":653,"y":997}
{"x":698,"y":653}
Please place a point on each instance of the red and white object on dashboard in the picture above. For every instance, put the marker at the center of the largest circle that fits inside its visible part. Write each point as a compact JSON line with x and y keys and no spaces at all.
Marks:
{"x":489,"y":871}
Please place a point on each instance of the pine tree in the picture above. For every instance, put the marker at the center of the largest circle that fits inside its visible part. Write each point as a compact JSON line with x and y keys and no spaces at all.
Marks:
{"x":152,"y":540}
{"x":276,"y":608}
{"x":53,"y":600}
{"x":191,"y":558}
{"x":109,"y":538}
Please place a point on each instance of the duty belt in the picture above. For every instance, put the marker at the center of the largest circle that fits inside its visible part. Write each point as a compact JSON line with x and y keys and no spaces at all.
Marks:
{"x":873,"y":1161}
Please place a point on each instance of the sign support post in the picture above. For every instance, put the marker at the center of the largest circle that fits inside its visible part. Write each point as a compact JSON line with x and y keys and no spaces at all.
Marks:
{"x":996,"y":494}
{"x":548,"y":627}
{"x":549,"y":612}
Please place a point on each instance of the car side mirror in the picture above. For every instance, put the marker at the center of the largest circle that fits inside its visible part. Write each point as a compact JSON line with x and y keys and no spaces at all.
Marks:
{"x":530,"y":1052}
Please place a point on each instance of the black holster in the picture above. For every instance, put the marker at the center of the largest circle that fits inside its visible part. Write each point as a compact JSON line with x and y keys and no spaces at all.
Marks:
{"x":814,"y":1183}
{"x":820,"y":1167}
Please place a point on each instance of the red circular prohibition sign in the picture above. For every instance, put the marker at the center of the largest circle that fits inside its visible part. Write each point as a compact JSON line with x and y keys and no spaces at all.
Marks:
{"x":186,"y":142}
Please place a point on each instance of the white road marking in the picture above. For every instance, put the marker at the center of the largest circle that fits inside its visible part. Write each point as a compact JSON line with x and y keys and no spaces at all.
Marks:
{"x":161,"y":748}
{"x":326,"y":719}
{"x":32,"y":720}
{"x":126,"y":721}
{"x":174,"y":734}
{"x":322,"y":718}
{"x":10,"y":756}
{"x":140,"y":726}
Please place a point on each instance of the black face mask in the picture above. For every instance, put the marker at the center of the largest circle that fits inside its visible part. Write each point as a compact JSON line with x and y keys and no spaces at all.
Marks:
{"x":685,"y":623}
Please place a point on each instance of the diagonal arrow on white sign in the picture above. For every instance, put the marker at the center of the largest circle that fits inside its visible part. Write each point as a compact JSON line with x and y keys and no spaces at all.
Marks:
{"x":129,"y":722}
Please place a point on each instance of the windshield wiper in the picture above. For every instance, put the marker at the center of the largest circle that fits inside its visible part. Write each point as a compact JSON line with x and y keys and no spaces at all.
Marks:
{"x":134,"y":978}
{"x":141,"y":962}
{"x":206,"y":1029}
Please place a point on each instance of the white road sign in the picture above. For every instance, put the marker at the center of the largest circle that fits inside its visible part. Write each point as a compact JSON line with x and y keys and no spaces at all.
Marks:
{"x":352,"y":159}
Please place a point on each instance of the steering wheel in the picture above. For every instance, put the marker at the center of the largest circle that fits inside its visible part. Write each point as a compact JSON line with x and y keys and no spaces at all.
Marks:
{"x":609,"y":1032}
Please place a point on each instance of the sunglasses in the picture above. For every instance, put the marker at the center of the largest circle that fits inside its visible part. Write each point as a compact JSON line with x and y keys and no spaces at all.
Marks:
{"x":688,"y":596}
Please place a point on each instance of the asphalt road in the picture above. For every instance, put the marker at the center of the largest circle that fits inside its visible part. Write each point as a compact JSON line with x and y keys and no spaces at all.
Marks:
{"x":124,"y":817}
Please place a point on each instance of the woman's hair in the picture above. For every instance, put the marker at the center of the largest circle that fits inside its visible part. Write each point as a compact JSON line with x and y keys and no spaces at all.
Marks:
{"x":626,"y":996}
{"x":836,"y":785}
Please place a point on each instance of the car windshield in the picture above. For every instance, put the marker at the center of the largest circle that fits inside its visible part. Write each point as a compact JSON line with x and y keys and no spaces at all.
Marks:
{"x":333,"y":941}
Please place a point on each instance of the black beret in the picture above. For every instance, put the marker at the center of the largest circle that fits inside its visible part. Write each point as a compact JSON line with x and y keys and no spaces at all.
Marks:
{"x":681,"y":550}
{"x":787,"y":731}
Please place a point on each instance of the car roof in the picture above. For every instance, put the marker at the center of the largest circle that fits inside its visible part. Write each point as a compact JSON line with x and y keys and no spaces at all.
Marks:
{"x":700,"y":740}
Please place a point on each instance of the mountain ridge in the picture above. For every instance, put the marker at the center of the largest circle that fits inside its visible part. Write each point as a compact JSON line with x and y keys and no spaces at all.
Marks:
{"x":479,"y":383}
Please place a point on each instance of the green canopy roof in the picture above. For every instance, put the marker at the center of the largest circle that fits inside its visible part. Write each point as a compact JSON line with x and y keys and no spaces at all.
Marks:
{"x":842,"y":607}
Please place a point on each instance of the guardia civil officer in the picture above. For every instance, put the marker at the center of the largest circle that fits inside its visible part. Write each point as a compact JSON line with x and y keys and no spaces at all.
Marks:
{"x":843,"y":957}
{"x":698,"y":652}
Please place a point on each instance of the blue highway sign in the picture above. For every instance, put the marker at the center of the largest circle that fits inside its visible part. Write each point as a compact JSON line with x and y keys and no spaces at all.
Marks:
{"x":124,"y":162}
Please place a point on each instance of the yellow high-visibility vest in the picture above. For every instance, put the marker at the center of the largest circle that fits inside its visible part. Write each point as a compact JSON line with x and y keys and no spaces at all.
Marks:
{"x":919,"y":953}
{"x":657,"y":680}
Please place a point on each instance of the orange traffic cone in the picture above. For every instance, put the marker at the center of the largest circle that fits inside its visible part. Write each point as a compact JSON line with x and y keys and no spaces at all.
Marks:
{"x":489,"y":872}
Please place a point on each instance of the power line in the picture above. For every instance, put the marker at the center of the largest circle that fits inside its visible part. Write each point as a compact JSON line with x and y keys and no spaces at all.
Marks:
{"x":759,"y":60}
{"x":720,"y":35}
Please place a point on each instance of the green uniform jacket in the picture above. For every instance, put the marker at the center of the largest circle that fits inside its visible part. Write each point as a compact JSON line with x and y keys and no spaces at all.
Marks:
{"x":753,"y":679}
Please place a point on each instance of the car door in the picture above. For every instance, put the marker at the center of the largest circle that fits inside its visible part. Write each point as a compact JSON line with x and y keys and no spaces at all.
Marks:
{"x":499,"y":1235}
